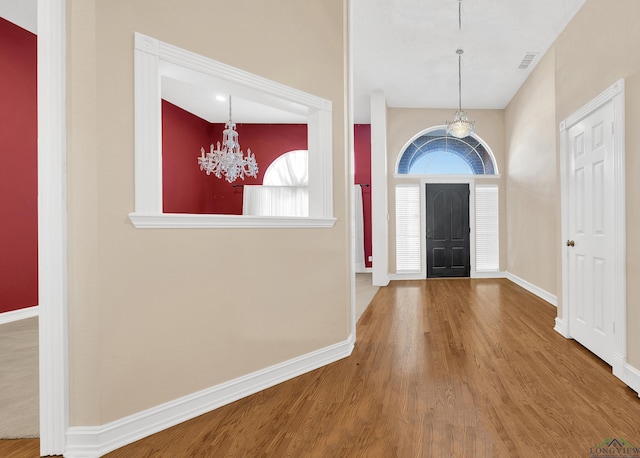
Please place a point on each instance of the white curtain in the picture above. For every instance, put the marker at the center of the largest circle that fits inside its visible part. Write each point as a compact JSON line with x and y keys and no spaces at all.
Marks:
{"x":276,"y":201}
{"x":285,"y":190}
{"x":358,"y":237}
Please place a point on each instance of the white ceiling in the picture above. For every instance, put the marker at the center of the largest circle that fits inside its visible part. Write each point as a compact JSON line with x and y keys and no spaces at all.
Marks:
{"x":21,"y":12}
{"x":407,"y":49}
{"x":211,"y":103}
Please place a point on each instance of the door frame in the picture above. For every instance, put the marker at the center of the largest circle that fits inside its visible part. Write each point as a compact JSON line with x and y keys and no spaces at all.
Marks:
{"x":426,"y":213}
{"x":614,"y":94}
{"x":472,"y":220}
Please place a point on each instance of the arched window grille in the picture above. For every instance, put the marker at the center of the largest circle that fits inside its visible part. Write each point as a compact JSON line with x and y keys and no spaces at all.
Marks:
{"x":436,"y":153}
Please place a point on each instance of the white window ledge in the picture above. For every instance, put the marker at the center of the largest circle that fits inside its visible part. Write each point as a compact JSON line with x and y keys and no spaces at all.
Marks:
{"x":181,"y":220}
{"x":445,"y":176}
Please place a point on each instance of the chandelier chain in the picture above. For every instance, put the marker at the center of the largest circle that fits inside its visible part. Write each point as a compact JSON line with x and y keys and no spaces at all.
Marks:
{"x":459,"y":79}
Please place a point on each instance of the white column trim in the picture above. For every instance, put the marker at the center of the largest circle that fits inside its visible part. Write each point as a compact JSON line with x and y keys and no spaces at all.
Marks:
{"x":379,"y":190}
{"x":351,"y":174}
{"x":52,"y":226}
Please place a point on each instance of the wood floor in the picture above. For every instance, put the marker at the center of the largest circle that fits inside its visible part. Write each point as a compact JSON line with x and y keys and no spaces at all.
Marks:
{"x":466,"y":368}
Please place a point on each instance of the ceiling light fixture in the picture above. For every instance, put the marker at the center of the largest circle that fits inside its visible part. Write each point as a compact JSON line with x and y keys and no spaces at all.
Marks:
{"x":460,"y":127}
{"x":228,"y":160}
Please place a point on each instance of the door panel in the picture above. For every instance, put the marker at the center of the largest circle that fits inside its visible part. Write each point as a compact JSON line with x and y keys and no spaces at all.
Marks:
{"x":448,"y":230}
{"x":591,"y":227}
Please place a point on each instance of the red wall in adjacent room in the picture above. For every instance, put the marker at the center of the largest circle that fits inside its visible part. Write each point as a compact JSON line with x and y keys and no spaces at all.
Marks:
{"x":186,"y":189}
{"x":362,"y":165}
{"x":18,"y":168}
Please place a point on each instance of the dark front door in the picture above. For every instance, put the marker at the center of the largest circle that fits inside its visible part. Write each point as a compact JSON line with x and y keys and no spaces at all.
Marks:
{"x":448,"y":230}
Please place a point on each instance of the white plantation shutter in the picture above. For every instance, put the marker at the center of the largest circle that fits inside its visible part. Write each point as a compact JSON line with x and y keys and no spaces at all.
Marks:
{"x":487,"y":245}
{"x":408,"y":228}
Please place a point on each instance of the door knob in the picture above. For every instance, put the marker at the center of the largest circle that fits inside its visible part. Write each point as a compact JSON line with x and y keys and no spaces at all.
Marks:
{"x":571,"y":243}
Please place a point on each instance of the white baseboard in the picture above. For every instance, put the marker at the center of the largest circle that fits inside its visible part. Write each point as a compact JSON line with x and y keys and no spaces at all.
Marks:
{"x":95,"y":441}
{"x":496,"y":274}
{"x":422,"y":276}
{"x":541,"y":293}
{"x":20,"y":314}
{"x":407,"y":276}
{"x":562,"y":328}
{"x":628,"y":374}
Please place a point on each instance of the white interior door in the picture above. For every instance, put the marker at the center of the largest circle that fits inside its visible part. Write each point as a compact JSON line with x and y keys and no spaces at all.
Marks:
{"x":591,"y":228}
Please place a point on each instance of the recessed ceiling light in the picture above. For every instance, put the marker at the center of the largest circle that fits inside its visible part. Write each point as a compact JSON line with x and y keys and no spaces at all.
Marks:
{"x":221,"y":98}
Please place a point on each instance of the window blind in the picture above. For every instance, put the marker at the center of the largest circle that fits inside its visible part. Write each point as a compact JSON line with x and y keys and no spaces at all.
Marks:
{"x":487,"y":241}
{"x":408,"y":228}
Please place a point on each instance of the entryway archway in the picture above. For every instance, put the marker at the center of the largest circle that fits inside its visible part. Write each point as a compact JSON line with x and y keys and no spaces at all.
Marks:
{"x":453,"y":170}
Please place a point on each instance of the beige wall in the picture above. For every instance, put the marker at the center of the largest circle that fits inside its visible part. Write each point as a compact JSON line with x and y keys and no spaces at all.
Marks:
{"x":596,"y":49}
{"x":159,"y":314}
{"x":532,"y":186}
{"x":599,"y":47}
{"x":403,"y":124}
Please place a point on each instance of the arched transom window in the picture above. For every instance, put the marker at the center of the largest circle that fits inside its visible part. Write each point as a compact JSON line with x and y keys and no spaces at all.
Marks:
{"x":436,"y":153}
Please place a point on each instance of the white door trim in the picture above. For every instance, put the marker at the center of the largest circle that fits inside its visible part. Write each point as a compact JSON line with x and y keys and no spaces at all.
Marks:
{"x":614,"y":94}
{"x":52,"y":227}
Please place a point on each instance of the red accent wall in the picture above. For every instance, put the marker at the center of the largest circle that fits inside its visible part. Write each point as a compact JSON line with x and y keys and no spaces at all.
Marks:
{"x":186,"y":189}
{"x":18,"y":168}
{"x":362,"y":165}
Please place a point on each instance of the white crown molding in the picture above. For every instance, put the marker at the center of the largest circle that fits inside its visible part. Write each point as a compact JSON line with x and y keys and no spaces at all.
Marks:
{"x":541,"y":293}
{"x":95,"y":441}
{"x":595,"y":103}
{"x":20,"y":314}
{"x":260,"y":88}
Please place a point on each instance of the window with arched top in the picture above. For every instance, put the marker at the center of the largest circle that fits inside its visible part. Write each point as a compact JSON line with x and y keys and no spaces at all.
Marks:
{"x":284,"y":190}
{"x":427,"y":158}
{"x":290,"y":169}
{"x":436,"y":153}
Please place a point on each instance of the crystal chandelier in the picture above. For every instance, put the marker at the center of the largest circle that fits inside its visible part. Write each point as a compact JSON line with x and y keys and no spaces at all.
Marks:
{"x":460,"y":127}
{"x":228,"y":160}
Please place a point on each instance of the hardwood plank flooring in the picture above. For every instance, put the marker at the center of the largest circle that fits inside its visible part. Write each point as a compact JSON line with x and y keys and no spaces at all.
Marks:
{"x":465,"y":368}
{"x":19,"y":448}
